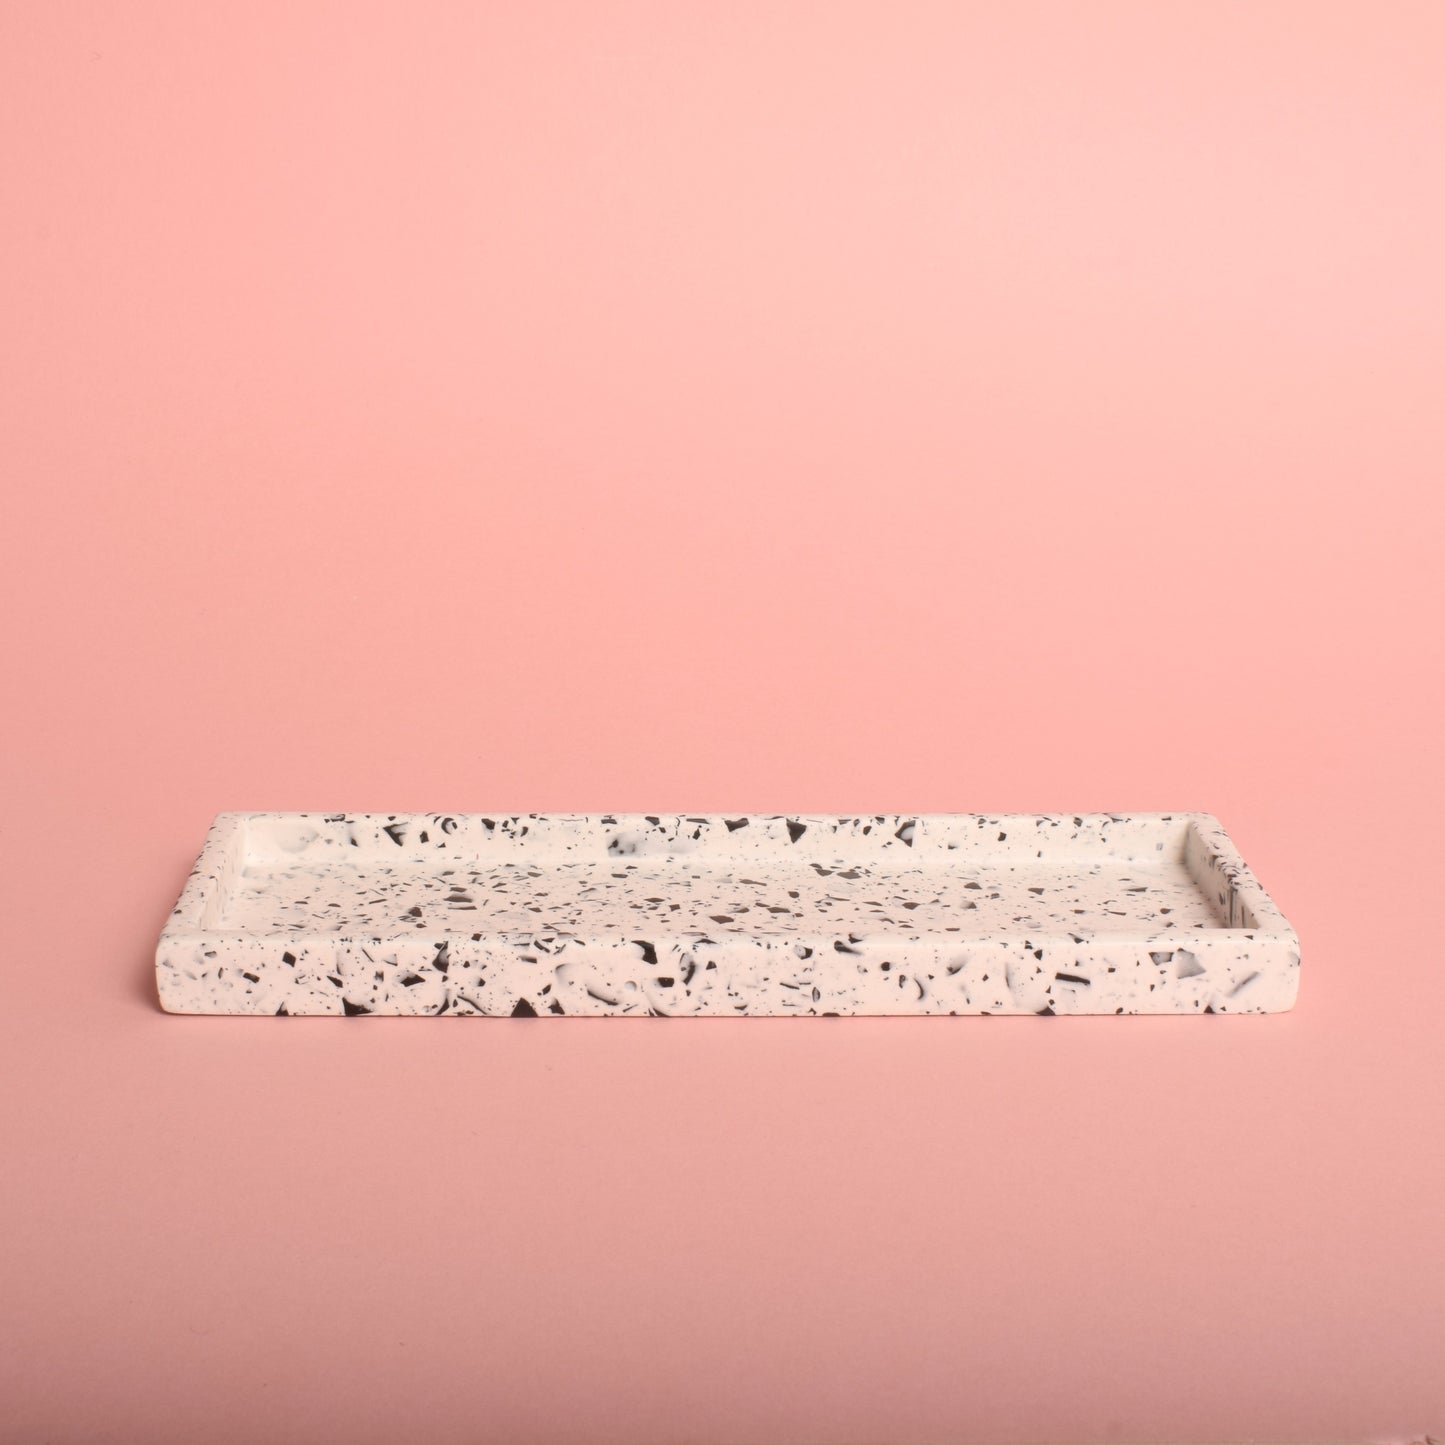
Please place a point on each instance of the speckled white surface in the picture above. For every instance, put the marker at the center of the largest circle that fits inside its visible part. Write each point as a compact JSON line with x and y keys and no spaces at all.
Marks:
{"x":632,"y":914}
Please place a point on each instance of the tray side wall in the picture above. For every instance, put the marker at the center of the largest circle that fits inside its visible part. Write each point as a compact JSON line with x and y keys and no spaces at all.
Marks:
{"x":795,"y":838}
{"x":1226,"y":879}
{"x":201,"y":901}
{"x":230,"y":974}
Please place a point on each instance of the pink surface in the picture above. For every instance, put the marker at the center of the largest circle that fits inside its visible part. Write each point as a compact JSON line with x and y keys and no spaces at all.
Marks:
{"x":756,"y":406}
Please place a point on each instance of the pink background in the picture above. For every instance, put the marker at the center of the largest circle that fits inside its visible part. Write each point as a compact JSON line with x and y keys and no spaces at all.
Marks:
{"x":738,"y":406}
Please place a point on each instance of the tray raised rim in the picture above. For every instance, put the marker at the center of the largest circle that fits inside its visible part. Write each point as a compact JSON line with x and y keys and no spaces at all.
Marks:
{"x":219,"y":851}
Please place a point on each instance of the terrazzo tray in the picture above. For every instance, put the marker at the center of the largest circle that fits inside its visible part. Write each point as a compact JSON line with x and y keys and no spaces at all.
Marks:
{"x":572,"y":914}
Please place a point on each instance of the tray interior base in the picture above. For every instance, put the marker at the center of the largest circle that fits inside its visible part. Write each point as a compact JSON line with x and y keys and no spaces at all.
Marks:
{"x":1085,"y":896}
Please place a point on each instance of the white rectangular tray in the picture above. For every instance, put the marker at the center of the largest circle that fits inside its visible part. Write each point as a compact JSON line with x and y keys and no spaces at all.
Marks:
{"x":611,"y":914}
